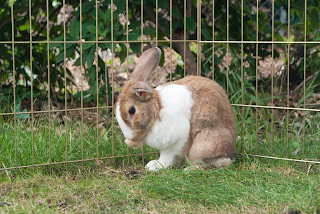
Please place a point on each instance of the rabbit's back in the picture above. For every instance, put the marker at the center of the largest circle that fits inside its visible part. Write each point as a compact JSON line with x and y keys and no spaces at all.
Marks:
{"x":212,"y":123}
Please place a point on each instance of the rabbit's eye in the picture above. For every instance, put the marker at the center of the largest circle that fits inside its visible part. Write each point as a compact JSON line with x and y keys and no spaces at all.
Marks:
{"x":132,"y":110}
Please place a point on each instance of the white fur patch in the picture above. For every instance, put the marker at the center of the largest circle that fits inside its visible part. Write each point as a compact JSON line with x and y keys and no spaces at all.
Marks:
{"x":171,"y":132}
{"x":127,"y":132}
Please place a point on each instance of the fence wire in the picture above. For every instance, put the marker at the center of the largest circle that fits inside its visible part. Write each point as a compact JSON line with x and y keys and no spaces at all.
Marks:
{"x":169,"y":42}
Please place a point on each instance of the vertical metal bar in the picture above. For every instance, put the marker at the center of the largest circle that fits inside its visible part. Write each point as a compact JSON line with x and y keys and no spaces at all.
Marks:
{"x":213,"y":39}
{"x":199,"y":37}
{"x":142,"y":52}
{"x":49,"y":84}
{"x":170,"y":40}
{"x":65,"y":78}
{"x":257,"y":55}
{"x":184,"y":36}
{"x":157,"y":81}
{"x":288,"y":75}
{"x":304,"y":77}
{"x":242,"y":79}
{"x":14,"y":88}
{"x":127,"y":25}
{"x":272,"y":74}
{"x":97,"y":77}
{"x":112,"y":80}
{"x":141,"y":9}
{"x":228,"y":48}
{"x":31,"y":82}
{"x":81,"y":66}
{"x":157,"y":37}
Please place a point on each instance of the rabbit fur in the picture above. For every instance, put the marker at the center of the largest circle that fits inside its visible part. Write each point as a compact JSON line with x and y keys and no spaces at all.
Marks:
{"x":190,"y":119}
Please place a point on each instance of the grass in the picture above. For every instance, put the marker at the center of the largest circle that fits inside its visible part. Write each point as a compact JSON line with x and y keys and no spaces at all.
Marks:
{"x":71,"y":142}
{"x":251,"y":185}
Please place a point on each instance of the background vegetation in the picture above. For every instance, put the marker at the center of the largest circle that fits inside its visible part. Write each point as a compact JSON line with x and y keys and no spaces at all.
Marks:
{"x":111,"y":21}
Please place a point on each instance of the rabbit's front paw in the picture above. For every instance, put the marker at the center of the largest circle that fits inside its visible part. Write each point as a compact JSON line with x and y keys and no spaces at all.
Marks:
{"x":154,"y":165}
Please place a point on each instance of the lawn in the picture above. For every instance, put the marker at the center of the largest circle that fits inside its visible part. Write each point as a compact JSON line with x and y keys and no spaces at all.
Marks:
{"x":251,"y":185}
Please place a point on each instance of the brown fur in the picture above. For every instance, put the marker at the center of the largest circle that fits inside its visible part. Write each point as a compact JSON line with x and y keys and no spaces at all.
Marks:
{"x":213,"y":128}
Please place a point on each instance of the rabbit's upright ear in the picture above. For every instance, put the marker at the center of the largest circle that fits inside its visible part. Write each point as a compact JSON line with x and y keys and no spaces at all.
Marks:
{"x":147,"y":63}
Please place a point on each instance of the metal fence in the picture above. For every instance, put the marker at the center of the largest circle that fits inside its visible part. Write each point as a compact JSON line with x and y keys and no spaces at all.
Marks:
{"x":246,"y":145}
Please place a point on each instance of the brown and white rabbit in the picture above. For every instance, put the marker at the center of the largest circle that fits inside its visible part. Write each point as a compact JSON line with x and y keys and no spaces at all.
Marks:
{"x":187,"y":120}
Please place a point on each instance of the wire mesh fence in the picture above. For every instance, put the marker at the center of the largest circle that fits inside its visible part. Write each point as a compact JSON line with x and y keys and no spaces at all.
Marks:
{"x":64,"y":63}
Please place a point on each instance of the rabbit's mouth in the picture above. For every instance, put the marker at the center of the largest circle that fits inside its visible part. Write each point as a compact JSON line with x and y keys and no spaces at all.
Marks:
{"x":134,"y":144}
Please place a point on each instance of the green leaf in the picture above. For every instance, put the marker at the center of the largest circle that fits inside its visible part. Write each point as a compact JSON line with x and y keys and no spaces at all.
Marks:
{"x":74,"y":29}
{"x":91,"y":56}
{"x":121,"y":4}
{"x":89,"y":5}
{"x":84,"y":56}
{"x":148,"y":31}
{"x":176,"y":13}
{"x":315,"y":19}
{"x":176,"y":24}
{"x":92,"y":75}
{"x":135,"y":47}
{"x":135,"y":24}
{"x":133,"y":36}
{"x":105,"y":46}
{"x":123,"y":52}
{"x":107,"y":15}
{"x":93,"y":88}
{"x":77,"y":13}
{"x":77,"y":62}
{"x":25,"y":26}
{"x":163,"y":4}
{"x":91,"y":29}
{"x":60,"y":57}
{"x":55,"y":45}
{"x":119,"y":33}
{"x":70,"y":51}
{"x":161,"y":59}
{"x":100,"y":28}
{"x":206,"y":34}
{"x":86,"y":46}
{"x":93,"y":13}
{"x":278,"y":37}
{"x":104,"y":33}
{"x":191,"y":24}
{"x":100,"y":14}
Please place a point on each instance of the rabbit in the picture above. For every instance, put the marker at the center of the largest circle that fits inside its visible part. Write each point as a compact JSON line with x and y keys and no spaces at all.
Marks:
{"x":189,"y":120}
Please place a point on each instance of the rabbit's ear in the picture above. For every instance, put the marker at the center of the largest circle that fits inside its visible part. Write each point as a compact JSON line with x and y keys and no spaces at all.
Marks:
{"x":147,"y":63}
{"x":143,"y":91}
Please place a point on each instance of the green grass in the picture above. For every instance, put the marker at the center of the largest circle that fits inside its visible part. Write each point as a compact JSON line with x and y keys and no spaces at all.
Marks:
{"x":284,"y":138}
{"x":76,"y":142}
{"x":250,"y":186}
{"x":67,"y":142}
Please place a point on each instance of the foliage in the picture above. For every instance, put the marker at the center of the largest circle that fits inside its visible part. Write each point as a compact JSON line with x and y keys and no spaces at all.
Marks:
{"x":104,"y":23}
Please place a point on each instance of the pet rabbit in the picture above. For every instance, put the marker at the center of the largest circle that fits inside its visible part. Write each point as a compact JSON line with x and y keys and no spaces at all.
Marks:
{"x":187,"y":120}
